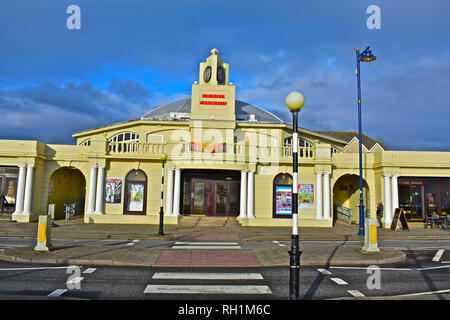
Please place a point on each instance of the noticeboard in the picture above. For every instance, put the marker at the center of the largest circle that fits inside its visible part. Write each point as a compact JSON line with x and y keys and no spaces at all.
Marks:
{"x":399,"y":215}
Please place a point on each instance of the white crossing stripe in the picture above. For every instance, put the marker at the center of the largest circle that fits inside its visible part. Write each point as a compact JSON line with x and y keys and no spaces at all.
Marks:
{"x":424,"y":293}
{"x":207,"y":247}
{"x":132,"y":243}
{"x":324,"y":271}
{"x":339,"y":281}
{"x":355,"y":293}
{"x":438,"y":255}
{"x":208,"y":289}
{"x":89,"y":270}
{"x":57,"y":293}
{"x":207,"y":276}
{"x":201,"y":245}
{"x":206,"y":243}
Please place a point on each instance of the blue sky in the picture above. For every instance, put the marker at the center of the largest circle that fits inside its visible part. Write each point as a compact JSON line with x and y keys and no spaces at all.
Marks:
{"x":132,"y":56}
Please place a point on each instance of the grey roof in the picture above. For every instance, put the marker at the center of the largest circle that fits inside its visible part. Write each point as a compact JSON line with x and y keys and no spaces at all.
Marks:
{"x":181,"y":109}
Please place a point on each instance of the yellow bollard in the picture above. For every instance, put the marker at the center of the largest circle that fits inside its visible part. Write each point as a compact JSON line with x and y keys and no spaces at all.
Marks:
{"x":44,"y":235}
{"x":370,"y":236}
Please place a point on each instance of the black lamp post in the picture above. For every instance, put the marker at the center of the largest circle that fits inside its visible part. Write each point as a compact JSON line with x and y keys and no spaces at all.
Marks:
{"x":367,"y":57}
{"x":161,"y":210}
{"x":295,"y":102}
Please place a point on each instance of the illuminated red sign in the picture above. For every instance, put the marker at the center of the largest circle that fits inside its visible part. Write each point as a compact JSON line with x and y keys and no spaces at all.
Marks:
{"x":213,"y":96}
{"x":217,"y":103}
{"x":213,"y":102}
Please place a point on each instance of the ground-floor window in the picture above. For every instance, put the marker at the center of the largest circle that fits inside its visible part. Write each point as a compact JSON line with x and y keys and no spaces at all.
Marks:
{"x":135,"y":200}
{"x":8,"y":187}
{"x":424,"y":196}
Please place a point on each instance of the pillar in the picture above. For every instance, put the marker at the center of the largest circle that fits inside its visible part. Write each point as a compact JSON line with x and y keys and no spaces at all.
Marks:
{"x":243,"y":200}
{"x":250,"y":195}
{"x":92,"y":186}
{"x":326,"y":196}
{"x":319,"y":213}
{"x":169,"y":196}
{"x":387,"y":200}
{"x":99,"y":197}
{"x":176,"y":193}
{"x":28,"y":190}
{"x":394,"y":193}
{"x":20,"y":190}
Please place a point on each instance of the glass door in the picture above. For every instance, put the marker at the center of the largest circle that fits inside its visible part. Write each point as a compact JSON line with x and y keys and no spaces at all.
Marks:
{"x":431,"y":199}
{"x":445,"y":199}
{"x":221,"y":201}
{"x":417,"y":202}
{"x":198,"y":197}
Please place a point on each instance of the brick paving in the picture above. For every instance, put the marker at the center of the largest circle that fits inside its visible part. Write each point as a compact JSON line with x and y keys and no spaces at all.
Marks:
{"x":222,"y":258}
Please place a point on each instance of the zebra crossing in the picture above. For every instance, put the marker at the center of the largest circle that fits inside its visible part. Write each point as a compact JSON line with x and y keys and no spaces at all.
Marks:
{"x":208,"y":286}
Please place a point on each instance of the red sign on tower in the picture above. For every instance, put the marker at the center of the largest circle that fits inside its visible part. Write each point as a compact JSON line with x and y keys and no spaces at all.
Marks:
{"x":213,"y":99}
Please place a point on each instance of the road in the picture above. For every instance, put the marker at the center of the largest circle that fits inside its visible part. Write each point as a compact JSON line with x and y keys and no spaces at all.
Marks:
{"x":426,"y":270}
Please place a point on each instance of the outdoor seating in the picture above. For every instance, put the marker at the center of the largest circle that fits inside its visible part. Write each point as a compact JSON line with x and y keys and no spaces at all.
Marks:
{"x":428,"y":222}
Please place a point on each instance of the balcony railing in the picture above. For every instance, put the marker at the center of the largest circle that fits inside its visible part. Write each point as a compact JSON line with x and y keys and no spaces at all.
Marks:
{"x":187,"y":149}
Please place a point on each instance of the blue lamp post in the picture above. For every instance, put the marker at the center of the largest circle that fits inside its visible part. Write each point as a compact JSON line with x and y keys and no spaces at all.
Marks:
{"x":367,"y":57}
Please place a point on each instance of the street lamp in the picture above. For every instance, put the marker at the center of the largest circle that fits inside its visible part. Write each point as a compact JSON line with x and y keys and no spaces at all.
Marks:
{"x":295,"y":102}
{"x":161,"y":210}
{"x":367,"y":57}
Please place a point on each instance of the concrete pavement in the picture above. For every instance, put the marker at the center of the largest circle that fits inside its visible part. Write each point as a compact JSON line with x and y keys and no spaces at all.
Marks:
{"x":276,"y":255}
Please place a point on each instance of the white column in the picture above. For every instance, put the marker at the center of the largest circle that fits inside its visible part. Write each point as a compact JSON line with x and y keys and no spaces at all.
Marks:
{"x":319,"y":213}
{"x":326,"y":196}
{"x":394,"y":193}
{"x":99,"y":198}
{"x":20,"y":190}
{"x":250,"y":195}
{"x":169,"y":196}
{"x":243,"y":200}
{"x":92,"y":186}
{"x":387,"y":200}
{"x":176,"y":194}
{"x":28,"y":190}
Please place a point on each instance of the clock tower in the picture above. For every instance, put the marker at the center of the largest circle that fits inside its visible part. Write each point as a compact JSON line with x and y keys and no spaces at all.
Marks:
{"x":213,"y":98}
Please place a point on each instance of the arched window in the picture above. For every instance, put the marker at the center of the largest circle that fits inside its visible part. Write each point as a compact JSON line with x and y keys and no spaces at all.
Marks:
{"x":135,"y":200}
{"x":282,"y":196}
{"x":86,"y":143}
{"x":124,"y":142}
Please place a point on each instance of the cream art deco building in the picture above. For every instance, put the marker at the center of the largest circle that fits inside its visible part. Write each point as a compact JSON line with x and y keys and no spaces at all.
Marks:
{"x":226,"y":157}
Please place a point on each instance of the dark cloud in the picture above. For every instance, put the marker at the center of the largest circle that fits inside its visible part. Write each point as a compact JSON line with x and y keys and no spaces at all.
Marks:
{"x":130,"y":89}
{"x":53,"y":111}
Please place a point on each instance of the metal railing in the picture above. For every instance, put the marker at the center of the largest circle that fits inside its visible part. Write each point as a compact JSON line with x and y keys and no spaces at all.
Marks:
{"x":344,"y":214}
{"x":73,"y":208}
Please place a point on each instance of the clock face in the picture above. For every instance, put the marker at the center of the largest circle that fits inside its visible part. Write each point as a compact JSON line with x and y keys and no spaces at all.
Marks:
{"x":220,"y":75}
{"x":207,"y":74}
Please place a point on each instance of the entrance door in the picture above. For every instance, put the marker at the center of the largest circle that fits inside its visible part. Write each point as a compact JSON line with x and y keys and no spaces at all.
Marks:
{"x":214,"y":197}
{"x":200,"y":196}
{"x":417,"y":201}
{"x":227,"y":198}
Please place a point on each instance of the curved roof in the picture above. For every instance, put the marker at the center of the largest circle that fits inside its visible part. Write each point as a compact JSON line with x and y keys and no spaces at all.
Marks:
{"x":181,"y":109}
